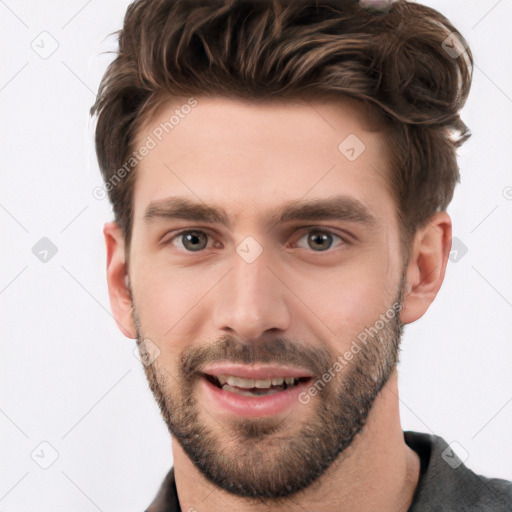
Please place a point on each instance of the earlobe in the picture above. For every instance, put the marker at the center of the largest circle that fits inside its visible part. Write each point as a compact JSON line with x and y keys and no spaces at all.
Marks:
{"x":117,"y":279}
{"x":427,"y":265}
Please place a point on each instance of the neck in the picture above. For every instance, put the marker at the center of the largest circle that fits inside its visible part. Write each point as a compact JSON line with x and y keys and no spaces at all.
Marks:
{"x":378,"y":472}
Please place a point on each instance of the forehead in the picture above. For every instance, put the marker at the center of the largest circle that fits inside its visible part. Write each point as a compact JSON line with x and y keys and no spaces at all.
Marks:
{"x":255,"y":156}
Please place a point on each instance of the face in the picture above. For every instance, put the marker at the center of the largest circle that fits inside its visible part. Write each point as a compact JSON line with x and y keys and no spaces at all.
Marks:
{"x":265,"y":273}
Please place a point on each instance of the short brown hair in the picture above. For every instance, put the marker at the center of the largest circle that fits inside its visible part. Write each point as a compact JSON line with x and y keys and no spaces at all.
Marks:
{"x":397,"y":64}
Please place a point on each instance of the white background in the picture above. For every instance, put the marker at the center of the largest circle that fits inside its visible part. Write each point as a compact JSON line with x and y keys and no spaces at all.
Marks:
{"x":70,"y":378}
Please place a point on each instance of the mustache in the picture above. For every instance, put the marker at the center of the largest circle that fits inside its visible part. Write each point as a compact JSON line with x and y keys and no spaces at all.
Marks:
{"x":278,"y":351}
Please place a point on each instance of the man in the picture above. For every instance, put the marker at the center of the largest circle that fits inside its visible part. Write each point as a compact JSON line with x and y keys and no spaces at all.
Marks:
{"x":279,"y":174}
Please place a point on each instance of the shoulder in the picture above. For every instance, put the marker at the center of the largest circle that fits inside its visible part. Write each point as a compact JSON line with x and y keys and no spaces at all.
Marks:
{"x":447,"y":484}
{"x":166,"y":499}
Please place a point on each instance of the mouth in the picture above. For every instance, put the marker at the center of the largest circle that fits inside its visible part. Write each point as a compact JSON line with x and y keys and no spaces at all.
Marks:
{"x":253,"y":391}
{"x":254,"y":387}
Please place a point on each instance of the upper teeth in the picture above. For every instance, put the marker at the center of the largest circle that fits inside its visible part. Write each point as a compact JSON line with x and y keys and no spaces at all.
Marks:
{"x":254,"y":383}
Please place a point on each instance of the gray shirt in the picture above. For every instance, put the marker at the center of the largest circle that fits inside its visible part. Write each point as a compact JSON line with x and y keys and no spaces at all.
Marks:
{"x":445,"y":483}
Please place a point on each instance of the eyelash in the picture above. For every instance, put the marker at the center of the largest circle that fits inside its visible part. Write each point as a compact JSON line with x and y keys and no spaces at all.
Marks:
{"x":310,"y":230}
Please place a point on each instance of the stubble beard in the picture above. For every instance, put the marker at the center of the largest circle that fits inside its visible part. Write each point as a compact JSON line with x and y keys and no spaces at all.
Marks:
{"x":261,"y":458}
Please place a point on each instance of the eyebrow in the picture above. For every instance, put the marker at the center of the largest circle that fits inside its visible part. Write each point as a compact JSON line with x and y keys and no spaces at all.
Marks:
{"x":331,"y":208}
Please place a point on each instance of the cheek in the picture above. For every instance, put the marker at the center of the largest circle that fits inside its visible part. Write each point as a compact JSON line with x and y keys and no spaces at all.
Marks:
{"x":352,"y":309}
{"x":166,"y":297}
{"x":351,"y":298}
{"x":346,"y":297}
{"x":162,"y":310}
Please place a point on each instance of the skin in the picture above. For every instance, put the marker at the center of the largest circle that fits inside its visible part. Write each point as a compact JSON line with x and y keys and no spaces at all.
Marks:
{"x":250,"y":159}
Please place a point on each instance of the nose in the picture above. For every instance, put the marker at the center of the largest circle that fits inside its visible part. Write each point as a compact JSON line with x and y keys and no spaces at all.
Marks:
{"x":251,"y":300}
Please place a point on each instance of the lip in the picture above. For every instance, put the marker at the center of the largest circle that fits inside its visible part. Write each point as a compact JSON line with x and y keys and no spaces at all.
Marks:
{"x":230,"y":403}
{"x":255,"y":371}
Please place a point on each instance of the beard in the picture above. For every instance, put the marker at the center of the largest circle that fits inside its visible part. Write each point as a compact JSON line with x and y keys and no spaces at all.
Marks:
{"x":262,"y":458}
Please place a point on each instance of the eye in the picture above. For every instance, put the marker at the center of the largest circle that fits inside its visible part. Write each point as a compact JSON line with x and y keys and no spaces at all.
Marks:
{"x":191,"y":240}
{"x":321,"y":239}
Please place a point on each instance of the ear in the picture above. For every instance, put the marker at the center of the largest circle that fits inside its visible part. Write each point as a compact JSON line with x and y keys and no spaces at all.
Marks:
{"x":427,"y":265}
{"x":118,"y":289}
